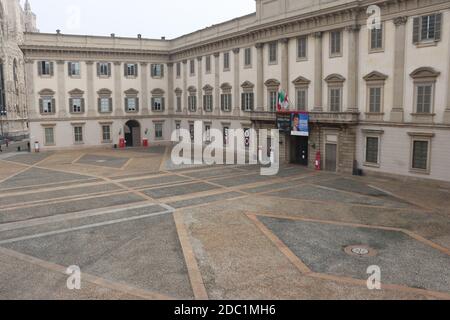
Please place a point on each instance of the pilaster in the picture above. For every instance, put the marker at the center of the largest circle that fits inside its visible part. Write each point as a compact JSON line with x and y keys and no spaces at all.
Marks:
{"x":318,"y":72}
{"x":397,"y":112}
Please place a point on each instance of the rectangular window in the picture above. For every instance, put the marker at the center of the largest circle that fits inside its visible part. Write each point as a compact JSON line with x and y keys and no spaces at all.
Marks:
{"x":208,"y":133}
{"x":76,"y":105}
{"x":157,"y":70}
{"x":248,"y":57}
{"x":178,"y":68}
{"x":131,"y":104}
{"x":45,"y":68}
{"x":273,"y":97}
{"x":192,"y":67}
{"x":372,"y":147}
{"x":192,"y":131}
{"x":247,"y":101}
{"x":376,"y":38}
{"x":302,"y":95}
{"x":177,"y":129}
{"x":225,"y":135}
{"x":74,"y":69}
{"x":424,"y":98}
{"x":420,"y":155}
{"x":131,"y":70}
{"x":157,"y":104}
{"x":158,"y":130}
{"x":273,"y":52}
{"x":225,"y":101}
{"x":49,"y":136}
{"x":427,"y":28}
{"x":78,"y":134}
{"x":47,"y":105}
{"x":178,"y":103}
{"x":335,"y":99}
{"x":375,"y":100}
{"x":103,"y":69}
{"x":208,"y":64}
{"x":335,"y":43}
{"x":208,"y":103}
{"x":106,"y":133}
{"x":105,"y":105}
{"x":192,"y":103}
{"x":302,"y":48}
{"x":226,"y":61}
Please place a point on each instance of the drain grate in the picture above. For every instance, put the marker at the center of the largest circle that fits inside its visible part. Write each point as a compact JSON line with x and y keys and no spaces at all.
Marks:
{"x":360,"y":251}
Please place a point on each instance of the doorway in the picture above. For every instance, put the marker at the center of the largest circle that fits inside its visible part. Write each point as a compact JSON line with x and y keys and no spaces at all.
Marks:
{"x":299,"y":150}
{"x":331,"y":157}
{"x":132,"y":131}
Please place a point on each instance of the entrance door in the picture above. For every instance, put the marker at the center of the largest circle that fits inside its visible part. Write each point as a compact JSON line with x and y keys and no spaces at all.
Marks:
{"x":300,"y":150}
{"x":330,"y":157}
{"x":132,"y":131}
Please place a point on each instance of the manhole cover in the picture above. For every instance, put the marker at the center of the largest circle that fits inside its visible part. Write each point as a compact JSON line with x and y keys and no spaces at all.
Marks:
{"x":360,"y":251}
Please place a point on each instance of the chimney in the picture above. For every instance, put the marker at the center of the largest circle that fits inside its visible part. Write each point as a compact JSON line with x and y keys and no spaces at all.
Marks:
{"x":139,"y":36}
{"x":113,"y":35}
{"x":163,"y":38}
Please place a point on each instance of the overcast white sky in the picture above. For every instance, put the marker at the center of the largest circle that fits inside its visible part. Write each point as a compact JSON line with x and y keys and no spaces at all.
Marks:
{"x":151,"y":18}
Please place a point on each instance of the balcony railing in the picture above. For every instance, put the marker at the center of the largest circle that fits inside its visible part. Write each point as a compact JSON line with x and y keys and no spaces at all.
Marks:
{"x":315,"y":117}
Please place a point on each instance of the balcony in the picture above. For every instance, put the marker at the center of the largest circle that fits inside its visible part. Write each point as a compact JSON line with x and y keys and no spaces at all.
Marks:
{"x":263,"y":116}
{"x":314,"y":117}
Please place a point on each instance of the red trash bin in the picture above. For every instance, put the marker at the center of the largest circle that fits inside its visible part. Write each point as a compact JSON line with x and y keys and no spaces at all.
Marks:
{"x":145,"y":142}
{"x":122,"y":143}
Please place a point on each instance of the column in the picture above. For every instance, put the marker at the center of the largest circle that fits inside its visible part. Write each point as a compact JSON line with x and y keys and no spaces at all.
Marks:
{"x":118,"y":94}
{"x":217,"y":83}
{"x":62,"y":104}
{"x":260,"y":77}
{"x":170,"y":94}
{"x":185,"y":93}
{"x":91,"y":103}
{"x":318,"y":72}
{"x":31,"y":99}
{"x":285,"y":64}
{"x":144,"y":89}
{"x":236,"y":84}
{"x":199,"y":86}
{"x":353,"y":68}
{"x":399,"y":69}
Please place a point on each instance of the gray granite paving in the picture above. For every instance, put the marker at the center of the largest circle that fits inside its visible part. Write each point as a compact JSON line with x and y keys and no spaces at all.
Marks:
{"x":29,"y":158}
{"x":179,"y":190}
{"x":204,"y":200}
{"x":45,"y":210}
{"x":402,"y":259}
{"x":144,"y":253}
{"x":149,"y":182}
{"x":241,"y":180}
{"x":103,"y":161}
{"x":202,"y":174}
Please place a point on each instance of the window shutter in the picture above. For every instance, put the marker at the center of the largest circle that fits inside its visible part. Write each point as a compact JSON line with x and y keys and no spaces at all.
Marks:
{"x":126,"y":105}
{"x":82,"y":105}
{"x":70,"y":105}
{"x":204,"y":103}
{"x":51,"y":68}
{"x":99,"y":105}
{"x":136,"y":69}
{"x":416,"y":30}
{"x":163,"y":104}
{"x":109,"y":69}
{"x":53,"y":105}
{"x":243,"y":102}
{"x":98,"y":69}
{"x":39,"y":65}
{"x":151,"y":71}
{"x":162,"y":71}
{"x":152,"y":102}
{"x":137,"y":104}
{"x":69,"y":64}
{"x":110,"y":104}
{"x":222,"y":98}
{"x":41,"y":106}
{"x":251,"y":101}
{"x":438,"y":27}
{"x":125,"y":69}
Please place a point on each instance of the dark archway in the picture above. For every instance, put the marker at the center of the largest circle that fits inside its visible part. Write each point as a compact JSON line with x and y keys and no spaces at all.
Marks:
{"x":132,"y":131}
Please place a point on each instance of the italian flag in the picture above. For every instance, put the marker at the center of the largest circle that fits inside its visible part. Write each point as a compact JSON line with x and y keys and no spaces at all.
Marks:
{"x":283,"y":101}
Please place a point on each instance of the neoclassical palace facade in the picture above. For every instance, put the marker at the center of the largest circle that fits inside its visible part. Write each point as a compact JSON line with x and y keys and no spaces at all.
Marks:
{"x":377,"y":98}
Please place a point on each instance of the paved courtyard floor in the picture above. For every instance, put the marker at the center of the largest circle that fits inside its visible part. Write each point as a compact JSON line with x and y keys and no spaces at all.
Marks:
{"x":138,"y":229}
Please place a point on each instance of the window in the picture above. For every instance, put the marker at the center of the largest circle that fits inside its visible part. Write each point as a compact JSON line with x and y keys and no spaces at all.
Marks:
{"x":427,"y":28}
{"x":49,"y":137}
{"x":225,"y":102}
{"x":226,"y":61}
{"x":273,"y":53}
{"x":208,"y":102}
{"x":76,"y":105}
{"x":208,"y":133}
{"x":226,"y":135}
{"x":131,"y":70}
{"x":420,"y":155}
{"x":48,"y":105}
{"x":158,"y":104}
{"x":45,"y":68}
{"x":273,"y":97}
{"x":335,"y":99}
{"x":104,"y":69}
{"x":208,"y":64}
{"x":179,"y":104}
{"x":376,"y":38}
{"x":106,"y":133}
{"x":192,"y":103}
{"x":74,"y":69}
{"x":178,"y":69}
{"x":372,"y":148}
{"x":131,"y":105}
{"x":157,"y":70}
{"x":247,"y":101}
{"x":302,"y":98}
{"x":248,"y":57}
{"x":177,"y":130}
{"x":192,"y":67}
{"x":335,"y":43}
{"x":302,"y":48}
{"x":158,"y":130}
{"x":192,"y":131}
{"x":78,"y":134}
{"x":424,"y":98}
{"x":375,"y":100}
{"x":105,"y":106}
